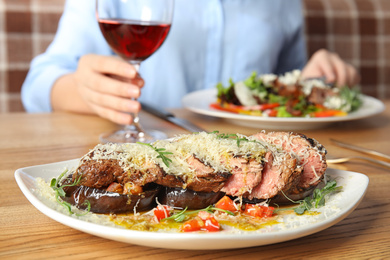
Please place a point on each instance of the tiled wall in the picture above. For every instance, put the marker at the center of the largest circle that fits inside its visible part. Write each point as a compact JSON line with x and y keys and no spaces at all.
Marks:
{"x":359,"y":30}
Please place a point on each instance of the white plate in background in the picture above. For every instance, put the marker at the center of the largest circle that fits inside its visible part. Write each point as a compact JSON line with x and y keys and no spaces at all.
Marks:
{"x":199,"y":102}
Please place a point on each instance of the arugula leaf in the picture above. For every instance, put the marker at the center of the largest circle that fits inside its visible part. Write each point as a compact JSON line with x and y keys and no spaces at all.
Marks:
{"x":318,"y":198}
{"x":225,"y":92}
{"x":59,"y":192}
{"x":282,"y":112}
{"x":273,"y":98}
{"x":352,"y":99}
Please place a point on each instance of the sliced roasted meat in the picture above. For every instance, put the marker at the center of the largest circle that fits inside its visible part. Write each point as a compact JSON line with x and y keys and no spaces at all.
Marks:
{"x":201,"y":167}
{"x":278,"y":176}
{"x":98,"y":171}
{"x":97,"y":174}
{"x":218,"y":157}
{"x":246,"y":174}
{"x":205,"y":179}
{"x":309,"y":153}
{"x":101,"y":173}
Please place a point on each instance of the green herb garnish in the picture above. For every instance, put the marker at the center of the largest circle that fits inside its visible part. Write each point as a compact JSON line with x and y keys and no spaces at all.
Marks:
{"x":233,"y":136}
{"x":180,"y":216}
{"x":59,"y":192}
{"x":317,"y":199}
{"x":225,"y":92}
{"x":351,"y":97}
{"x":161,"y":153}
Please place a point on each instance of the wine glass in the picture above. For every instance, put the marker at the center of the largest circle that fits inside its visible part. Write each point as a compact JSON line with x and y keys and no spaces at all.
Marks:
{"x":134,"y":29}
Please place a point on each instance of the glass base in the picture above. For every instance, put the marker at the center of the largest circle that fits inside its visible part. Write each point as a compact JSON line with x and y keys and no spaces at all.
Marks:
{"x":132,"y":136}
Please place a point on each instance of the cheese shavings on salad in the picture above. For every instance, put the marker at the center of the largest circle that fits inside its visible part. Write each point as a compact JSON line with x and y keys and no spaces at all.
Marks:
{"x":286,"y":95}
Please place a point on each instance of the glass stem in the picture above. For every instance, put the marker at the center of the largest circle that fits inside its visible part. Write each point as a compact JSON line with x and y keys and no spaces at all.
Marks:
{"x":135,"y":126}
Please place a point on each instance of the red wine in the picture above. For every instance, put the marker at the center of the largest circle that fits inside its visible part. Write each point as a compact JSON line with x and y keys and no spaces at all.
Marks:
{"x":133,"y":40}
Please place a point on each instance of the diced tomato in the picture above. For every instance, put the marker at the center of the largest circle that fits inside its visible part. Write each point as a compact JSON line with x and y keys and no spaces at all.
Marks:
{"x":226,"y":203}
{"x":272,"y":112}
{"x":211,"y":225}
{"x":115,"y":187}
{"x":195,"y":224}
{"x":258,"y":210}
{"x":227,"y":107}
{"x":133,"y":189}
{"x":269,"y":106}
{"x":161,"y":212}
{"x":204,"y":221}
{"x":268,"y":211}
{"x":253,"y":210}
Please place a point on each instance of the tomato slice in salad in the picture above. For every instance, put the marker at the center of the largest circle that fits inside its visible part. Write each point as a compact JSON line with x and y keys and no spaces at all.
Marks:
{"x":204,"y":221}
{"x":259,"y":211}
{"x":192,"y":225}
{"x":226,"y":203}
{"x":161,"y":212}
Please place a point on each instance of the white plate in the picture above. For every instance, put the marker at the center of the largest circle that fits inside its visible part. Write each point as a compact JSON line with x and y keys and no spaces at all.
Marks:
{"x":199,"y":102}
{"x":341,"y":204}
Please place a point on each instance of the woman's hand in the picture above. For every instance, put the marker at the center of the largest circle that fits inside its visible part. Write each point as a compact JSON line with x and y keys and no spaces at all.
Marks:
{"x":329,"y":65}
{"x":104,"y":85}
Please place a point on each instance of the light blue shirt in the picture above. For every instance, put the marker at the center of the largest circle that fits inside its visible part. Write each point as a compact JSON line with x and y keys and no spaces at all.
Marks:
{"x":210,"y":41}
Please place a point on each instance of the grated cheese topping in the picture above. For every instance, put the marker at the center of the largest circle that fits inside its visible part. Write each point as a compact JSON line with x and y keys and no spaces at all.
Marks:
{"x":210,"y":148}
{"x":290,"y":78}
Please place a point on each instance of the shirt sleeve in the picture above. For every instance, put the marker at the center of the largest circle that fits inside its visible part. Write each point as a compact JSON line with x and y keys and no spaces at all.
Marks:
{"x":78,"y":34}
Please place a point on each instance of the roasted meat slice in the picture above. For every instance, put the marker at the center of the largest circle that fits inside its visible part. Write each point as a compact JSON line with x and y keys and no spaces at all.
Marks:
{"x":205,"y":179}
{"x":279,"y":175}
{"x":309,"y":153}
{"x":246,"y":174}
{"x":100,"y":174}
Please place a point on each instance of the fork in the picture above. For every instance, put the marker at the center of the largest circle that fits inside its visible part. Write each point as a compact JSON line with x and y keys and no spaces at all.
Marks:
{"x":351,"y":158}
{"x":360,"y":149}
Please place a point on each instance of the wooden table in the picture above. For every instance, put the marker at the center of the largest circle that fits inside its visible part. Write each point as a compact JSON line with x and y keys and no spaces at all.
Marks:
{"x":33,"y":139}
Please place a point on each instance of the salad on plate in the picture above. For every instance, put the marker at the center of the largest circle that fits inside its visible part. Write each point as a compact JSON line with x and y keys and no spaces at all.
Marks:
{"x":287,"y":95}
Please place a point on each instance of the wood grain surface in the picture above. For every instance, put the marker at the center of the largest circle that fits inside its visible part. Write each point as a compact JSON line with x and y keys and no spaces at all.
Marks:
{"x":34,"y":139}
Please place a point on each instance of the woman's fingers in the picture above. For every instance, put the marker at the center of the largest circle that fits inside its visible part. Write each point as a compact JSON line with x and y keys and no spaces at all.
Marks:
{"x":95,"y":72}
{"x":332,"y":67}
{"x":114,"y":108}
{"x":353,"y":76}
{"x":109,"y":86}
{"x":340,"y":69}
{"x":112,"y":86}
{"x":109,"y":65}
{"x":111,"y":101}
{"x":112,"y":115}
